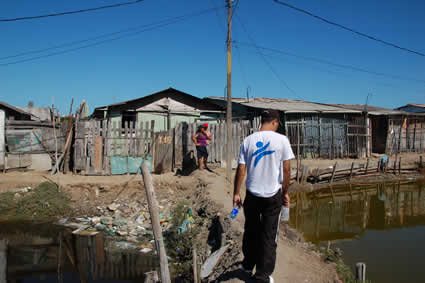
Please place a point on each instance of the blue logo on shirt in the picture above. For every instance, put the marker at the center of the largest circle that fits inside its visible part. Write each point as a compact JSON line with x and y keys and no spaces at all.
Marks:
{"x":261,"y":152}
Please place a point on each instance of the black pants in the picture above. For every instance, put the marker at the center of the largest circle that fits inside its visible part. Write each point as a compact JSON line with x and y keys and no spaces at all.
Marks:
{"x":260,"y":236}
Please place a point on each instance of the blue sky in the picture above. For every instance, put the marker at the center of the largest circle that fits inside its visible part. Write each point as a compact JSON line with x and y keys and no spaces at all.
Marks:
{"x":191,"y":55}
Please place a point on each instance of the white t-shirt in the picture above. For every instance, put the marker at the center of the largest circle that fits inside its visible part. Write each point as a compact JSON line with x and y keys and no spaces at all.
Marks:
{"x":263,"y":153}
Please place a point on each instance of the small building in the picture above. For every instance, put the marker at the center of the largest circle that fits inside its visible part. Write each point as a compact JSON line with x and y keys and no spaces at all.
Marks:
{"x":167,"y":108}
{"x":413,"y":108}
{"x":314,"y":130}
{"x":392,"y":131}
{"x":26,"y":142}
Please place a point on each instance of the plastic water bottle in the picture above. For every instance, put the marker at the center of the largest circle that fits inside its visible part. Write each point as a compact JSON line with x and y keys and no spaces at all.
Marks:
{"x":234,"y":213}
{"x":284,"y":216}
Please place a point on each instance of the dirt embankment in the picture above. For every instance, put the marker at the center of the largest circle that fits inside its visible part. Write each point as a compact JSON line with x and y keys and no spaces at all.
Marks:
{"x":210,"y":196}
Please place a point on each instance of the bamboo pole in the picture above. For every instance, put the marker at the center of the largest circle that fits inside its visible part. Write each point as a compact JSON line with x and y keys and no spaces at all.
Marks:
{"x":153,"y":211}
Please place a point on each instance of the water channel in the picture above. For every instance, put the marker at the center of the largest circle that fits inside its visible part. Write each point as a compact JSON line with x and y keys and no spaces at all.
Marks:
{"x":382,"y":225}
{"x":43,"y":252}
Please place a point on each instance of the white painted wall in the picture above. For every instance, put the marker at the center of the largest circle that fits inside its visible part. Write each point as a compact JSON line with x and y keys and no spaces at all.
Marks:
{"x":2,"y":140}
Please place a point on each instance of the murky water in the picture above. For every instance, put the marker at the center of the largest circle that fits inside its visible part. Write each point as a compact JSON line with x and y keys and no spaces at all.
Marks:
{"x":48,"y":253}
{"x":382,"y":225}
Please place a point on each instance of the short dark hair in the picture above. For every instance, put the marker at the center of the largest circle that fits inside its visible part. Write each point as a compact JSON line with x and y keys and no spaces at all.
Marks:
{"x":269,"y":115}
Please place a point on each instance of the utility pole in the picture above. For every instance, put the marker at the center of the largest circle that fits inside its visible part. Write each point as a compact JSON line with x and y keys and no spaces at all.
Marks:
{"x":229,"y":93}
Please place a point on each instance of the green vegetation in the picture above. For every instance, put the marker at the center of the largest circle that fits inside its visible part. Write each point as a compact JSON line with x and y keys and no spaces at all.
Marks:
{"x":180,"y":245}
{"x":43,"y":203}
{"x":344,"y":272}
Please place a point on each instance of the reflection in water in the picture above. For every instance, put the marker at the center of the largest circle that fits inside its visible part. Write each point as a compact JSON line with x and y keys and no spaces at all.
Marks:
{"x":47,"y":252}
{"x":384,"y":220}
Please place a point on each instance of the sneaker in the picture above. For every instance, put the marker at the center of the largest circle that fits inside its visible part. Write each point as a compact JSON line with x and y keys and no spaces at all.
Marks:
{"x":271,"y":279}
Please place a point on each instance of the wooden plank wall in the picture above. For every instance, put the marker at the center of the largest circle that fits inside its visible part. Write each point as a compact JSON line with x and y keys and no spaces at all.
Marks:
{"x":406,"y":135}
{"x":330,"y":140}
{"x":183,"y":143}
{"x":2,"y":138}
{"x":96,"y":141}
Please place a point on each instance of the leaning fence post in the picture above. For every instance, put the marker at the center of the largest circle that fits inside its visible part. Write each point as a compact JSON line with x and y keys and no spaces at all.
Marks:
{"x":3,"y":261}
{"x":361,"y":272}
{"x":153,"y":211}
{"x":333,"y":174}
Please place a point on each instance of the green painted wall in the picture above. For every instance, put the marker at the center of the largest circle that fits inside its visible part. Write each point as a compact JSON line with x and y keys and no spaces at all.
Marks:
{"x":161,"y":121}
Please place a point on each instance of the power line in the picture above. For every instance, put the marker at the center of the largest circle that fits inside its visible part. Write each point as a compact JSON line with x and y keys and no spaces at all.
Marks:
{"x":71,"y":12}
{"x":147,"y":27}
{"x":323,"y":61}
{"x":134,"y":28}
{"x":266,"y":61}
{"x":349,"y":29}
{"x":344,"y":75}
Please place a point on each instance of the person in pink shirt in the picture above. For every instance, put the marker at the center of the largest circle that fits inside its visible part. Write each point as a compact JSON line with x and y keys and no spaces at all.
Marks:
{"x":200,"y":139}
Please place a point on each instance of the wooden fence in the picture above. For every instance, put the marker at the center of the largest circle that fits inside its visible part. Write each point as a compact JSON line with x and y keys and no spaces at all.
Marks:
{"x":336,"y":139}
{"x":406,"y":135}
{"x":105,"y":147}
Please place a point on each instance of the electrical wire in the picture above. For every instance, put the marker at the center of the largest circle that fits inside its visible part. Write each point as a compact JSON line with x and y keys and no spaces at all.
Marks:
{"x":326,"y":62}
{"x":147,"y":27}
{"x":71,"y":12}
{"x":340,"y":74}
{"x":349,"y":29}
{"x":268,"y":64}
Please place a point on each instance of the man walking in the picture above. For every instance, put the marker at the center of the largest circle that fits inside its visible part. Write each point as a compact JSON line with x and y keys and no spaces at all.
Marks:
{"x":264,"y":156}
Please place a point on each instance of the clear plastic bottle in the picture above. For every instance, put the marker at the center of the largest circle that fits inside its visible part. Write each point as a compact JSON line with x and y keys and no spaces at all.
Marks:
{"x":284,"y":214}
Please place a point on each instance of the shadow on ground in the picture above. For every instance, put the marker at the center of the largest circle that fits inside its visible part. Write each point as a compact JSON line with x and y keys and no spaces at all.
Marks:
{"x":234,"y":272}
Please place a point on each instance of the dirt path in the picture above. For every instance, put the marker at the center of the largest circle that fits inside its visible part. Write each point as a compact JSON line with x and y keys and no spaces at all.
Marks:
{"x":294,"y":263}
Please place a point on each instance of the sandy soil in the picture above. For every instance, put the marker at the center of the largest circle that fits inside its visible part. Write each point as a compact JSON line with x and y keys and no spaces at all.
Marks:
{"x":295,"y":262}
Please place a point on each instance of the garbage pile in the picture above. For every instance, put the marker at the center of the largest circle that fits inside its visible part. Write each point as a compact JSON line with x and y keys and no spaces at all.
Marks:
{"x":127,"y":221}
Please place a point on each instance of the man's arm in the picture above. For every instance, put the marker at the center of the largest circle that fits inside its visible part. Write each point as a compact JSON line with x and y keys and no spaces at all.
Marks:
{"x":286,"y":179}
{"x":240,"y":175}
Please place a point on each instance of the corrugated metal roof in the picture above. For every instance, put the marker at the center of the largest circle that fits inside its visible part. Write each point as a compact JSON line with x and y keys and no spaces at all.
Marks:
{"x":372,"y":110}
{"x":290,"y":106}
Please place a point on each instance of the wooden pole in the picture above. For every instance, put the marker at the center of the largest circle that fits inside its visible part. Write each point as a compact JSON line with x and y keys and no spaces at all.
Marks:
{"x":229,"y":141}
{"x":367,"y":166}
{"x":54,"y":133}
{"x":195,"y":266}
{"x":67,"y":149}
{"x":399,"y":166}
{"x":332,"y":141}
{"x":351,"y":170}
{"x":156,"y":226}
{"x":298,"y":152}
{"x":333,"y":173}
{"x":3,"y":261}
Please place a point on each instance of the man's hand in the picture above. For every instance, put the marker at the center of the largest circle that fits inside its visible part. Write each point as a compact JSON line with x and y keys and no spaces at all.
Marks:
{"x":285,"y":199}
{"x":236,"y":200}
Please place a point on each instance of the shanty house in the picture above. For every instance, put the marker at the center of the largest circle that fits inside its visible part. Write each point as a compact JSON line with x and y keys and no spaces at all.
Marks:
{"x":26,"y":142}
{"x":313,"y":129}
{"x":393,"y":131}
{"x":167,"y":108}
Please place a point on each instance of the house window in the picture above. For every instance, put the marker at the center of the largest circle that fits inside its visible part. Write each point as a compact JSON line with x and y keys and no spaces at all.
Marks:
{"x":128,"y":119}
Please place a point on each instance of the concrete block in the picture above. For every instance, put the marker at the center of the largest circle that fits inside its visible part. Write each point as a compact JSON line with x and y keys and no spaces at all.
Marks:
{"x":40,"y":162}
